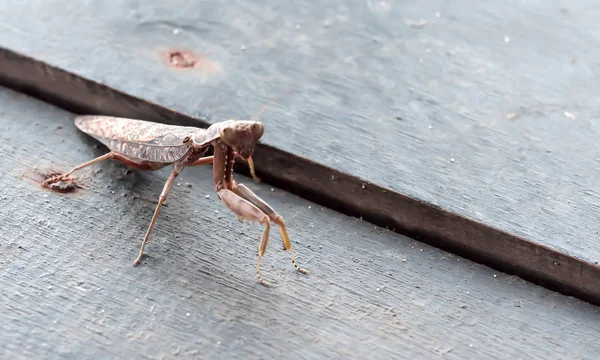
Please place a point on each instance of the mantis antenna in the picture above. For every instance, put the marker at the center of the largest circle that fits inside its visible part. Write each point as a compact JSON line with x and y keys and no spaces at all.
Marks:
{"x":264,"y":108}
{"x":273,"y":101}
{"x":289,"y":89}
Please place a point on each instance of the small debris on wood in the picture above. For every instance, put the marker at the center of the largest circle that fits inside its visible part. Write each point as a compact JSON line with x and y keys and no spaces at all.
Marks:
{"x":569,"y":115}
{"x":326,"y":23}
{"x":506,"y":39}
{"x":517,"y":303}
{"x":181,"y":59}
{"x":511,"y":116}
{"x":419,"y":24}
{"x":62,"y":186}
{"x":442,"y":351}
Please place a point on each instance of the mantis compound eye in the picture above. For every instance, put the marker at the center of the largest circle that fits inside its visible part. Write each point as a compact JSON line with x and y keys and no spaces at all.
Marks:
{"x":229,"y":136}
{"x":257,"y":130}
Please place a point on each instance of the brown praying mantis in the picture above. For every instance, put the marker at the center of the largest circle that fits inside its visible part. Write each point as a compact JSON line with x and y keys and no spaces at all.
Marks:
{"x":146,"y":145}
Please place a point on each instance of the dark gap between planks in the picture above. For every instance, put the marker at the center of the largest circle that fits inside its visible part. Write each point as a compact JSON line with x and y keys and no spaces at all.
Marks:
{"x":328,"y":187}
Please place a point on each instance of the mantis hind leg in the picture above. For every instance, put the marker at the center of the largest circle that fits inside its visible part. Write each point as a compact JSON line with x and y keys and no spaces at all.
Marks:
{"x":57,"y":178}
{"x":251,"y":197}
{"x":163,"y":196}
{"x":134,"y":163}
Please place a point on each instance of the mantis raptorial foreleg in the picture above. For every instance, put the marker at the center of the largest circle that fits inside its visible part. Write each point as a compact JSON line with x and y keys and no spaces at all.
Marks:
{"x":177,"y":167}
{"x":244,"y":209}
{"x":247,"y":194}
{"x":210,"y":159}
{"x":204,"y":161}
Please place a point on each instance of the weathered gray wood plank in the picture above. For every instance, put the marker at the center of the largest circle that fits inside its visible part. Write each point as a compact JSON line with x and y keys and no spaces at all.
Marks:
{"x":487,"y":86}
{"x":69,"y":290}
{"x":350,"y":195}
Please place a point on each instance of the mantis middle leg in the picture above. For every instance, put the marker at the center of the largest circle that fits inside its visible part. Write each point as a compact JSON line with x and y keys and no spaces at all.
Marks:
{"x":177,"y":167}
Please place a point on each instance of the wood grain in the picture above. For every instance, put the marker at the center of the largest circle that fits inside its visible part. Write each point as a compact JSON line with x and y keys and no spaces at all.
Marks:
{"x":70,"y":290}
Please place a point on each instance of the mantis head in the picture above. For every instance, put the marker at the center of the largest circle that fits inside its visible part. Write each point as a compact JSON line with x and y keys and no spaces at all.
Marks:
{"x":242,"y":136}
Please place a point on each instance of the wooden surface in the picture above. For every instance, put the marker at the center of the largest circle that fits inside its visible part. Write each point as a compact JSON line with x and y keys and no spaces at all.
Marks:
{"x":336,"y":190}
{"x":470,"y":112}
{"x":69,"y":289}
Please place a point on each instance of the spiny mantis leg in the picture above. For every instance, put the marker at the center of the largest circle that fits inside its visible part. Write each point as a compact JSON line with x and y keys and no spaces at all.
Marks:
{"x":244,"y":209}
{"x":177,"y":167}
{"x":247,"y":194}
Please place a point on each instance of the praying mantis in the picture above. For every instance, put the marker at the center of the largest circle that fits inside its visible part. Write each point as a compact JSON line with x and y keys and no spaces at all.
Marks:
{"x":145,"y":145}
